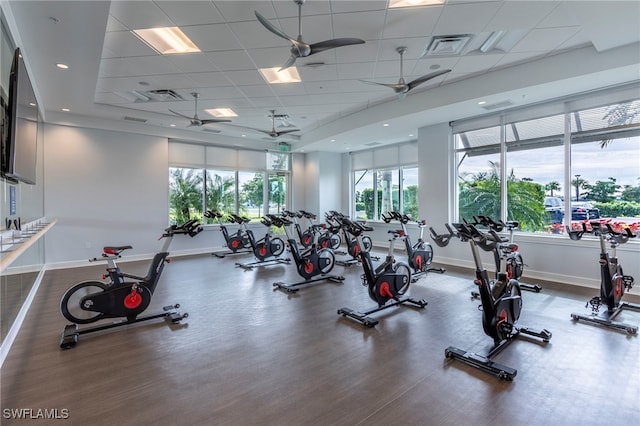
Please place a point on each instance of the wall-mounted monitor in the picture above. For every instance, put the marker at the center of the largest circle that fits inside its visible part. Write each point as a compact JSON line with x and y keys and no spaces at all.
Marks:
{"x":20,"y":145}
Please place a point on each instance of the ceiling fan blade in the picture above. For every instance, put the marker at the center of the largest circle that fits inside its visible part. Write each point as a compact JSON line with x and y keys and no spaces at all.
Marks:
{"x":268,"y":25}
{"x":284,"y":132}
{"x":396,"y":87}
{"x":180,"y":115}
{"x":426,"y":77}
{"x":333,"y":43}
{"x":290,"y":61}
{"x":215,"y":120}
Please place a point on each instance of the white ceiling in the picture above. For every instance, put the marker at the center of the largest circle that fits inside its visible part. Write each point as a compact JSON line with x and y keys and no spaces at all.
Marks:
{"x":552,"y":48}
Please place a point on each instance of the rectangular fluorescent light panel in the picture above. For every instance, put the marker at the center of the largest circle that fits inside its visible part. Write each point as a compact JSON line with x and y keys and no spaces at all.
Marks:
{"x":221,"y":112}
{"x":414,"y":3}
{"x":167,"y":40}
{"x":273,"y":76}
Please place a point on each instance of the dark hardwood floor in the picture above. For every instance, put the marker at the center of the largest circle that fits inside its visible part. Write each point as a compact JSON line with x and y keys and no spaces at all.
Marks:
{"x":251,"y":355}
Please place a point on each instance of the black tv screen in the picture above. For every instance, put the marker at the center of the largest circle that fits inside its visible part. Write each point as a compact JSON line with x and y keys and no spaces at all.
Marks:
{"x":21,"y":144}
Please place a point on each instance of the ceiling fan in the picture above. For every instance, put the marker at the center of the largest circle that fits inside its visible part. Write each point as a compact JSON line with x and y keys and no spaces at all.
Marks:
{"x":273,"y":132}
{"x":300,"y":49}
{"x":197,"y":121}
{"x":402,"y":88}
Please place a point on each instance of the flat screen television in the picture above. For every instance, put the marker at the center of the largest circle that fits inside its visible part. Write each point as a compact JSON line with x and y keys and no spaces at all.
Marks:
{"x":21,"y":141}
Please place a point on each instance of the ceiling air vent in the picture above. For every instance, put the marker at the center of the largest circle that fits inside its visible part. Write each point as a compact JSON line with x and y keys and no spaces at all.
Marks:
{"x":136,"y":119}
{"x":450,"y":45}
{"x":497,"y":105}
{"x":164,"y":95}
{"x":206,"y":129}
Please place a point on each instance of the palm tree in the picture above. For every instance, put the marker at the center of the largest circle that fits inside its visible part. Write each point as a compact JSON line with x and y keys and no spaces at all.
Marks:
{"x":552,"y":186}
{"x":185,"y":194}
{"x":220,"y":193}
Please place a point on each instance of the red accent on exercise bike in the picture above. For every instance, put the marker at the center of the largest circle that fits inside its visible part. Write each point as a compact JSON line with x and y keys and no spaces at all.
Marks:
{"x":618,"y":286}
{"x":419,"y":263}
{"x":235,"y":244}
{"x":502,"y":318}
{"x":307,"y":240}
{"x":356,"y":251}
{"x":109,"y":251}
{"x":385,"y":291}
{"x":308,"y":267}
{"x":132,"y":300}
{"x":262,"y":250}
{"x":509,"y":271}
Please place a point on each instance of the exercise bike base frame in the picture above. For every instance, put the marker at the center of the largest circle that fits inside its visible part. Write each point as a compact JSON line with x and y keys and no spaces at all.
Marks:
{"x":71,"y":332}
{"x":259,"y":263}
{"x":606,"y":319}
{"x":536,"y":288}
{"x":292,"y":288}
{"x":223,"y":254}
{"x":364,"y":318}
{"x":353,"y":261}
{"x":484,"y":362}
{"x":416,"y":275}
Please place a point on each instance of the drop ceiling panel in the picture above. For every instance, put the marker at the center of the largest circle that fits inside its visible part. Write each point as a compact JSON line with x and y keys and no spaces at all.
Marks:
{"x":476,"y":63}
{"x":209,"y":79}
{"x":322,"y":73}
{"x":257,"y":91}
{"x":120,"y":44}
{"x":544,"y":39}
{"x":309,"y":8}
{"x":511,"y":16}
{"x":468,"y":18}
{"x":244,"y":77}
{"x":137,"y":66}
{"x":139,"y":14}
{"x":415,"y":47}
{"x":362,"y":25}
{"x":341,"y":6}
{"x":197,"y":62}
{"x":212,"y":38}
{"x":362,"y":70}
{"x":411,"y":22}
{"x":237,"y":11}
{"x":231,"y":60}
{"x":314,"y":28}
{"x":391,"y":69}
{"x":252,"y":35}
{"x":184,"y":13}
{"x":367,"y":52}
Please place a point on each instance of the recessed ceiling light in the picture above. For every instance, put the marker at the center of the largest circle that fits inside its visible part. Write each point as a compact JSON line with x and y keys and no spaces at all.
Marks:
{"x":414,"y":3}
{"x":333,"y":140}
{"x":32,"y":104}
{"x":243,"y":135}
{"x":167,"y":40}
{"x":385,"y":125}
{"x":172,"y":125}
{"x":62,"y":66}
{"x":66,"y":109}
{"x":410,"y":135}
{"x":273,"y":76}
{"x":221,"y":112}
{"x":482,"y":102}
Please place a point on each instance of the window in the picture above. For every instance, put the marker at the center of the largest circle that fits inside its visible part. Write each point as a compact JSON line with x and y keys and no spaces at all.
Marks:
{"x":378,"y":192}
{"x":213,"y":183}
{"x":602,"y":181}
{"x":220,"y":191}
{"x":186,"y":192}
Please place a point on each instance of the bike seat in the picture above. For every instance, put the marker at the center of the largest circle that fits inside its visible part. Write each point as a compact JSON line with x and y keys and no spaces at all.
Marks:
{"x":114,"y":250}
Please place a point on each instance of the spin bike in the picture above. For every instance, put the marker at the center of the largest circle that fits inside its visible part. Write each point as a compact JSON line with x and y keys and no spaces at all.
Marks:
{"x":508,"y":252}
{"x":238,"y":243}
{"x":308,"y":236}
{"x":266,"y":250}
{"x":353,"y":248}
{"x":420,"y":254}
{"x":501,"y":307}
{"x":386,"y":284}
{"x":91,"y":301}
{"x":613,"y":282}
{"x":313,"y":264}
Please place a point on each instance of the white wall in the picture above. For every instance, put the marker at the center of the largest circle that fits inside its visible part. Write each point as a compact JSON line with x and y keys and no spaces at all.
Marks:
{"x":324,"y":183}
{"x":104,"y":188}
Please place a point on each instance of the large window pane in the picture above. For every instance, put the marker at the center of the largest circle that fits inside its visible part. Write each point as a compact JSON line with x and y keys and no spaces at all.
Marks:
{"x":251,"y":194}
{"x":478,"y":185}
{"x":220,"y":191}
{"x":388,"y":191}
{"x":186,"y":194}
{"x":605,"y":182}
{"x":410,"y":192}
{"x":277,"y":192}
{"x":363,"y":194}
